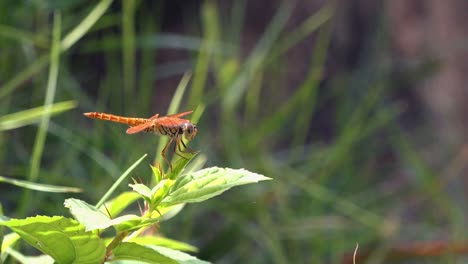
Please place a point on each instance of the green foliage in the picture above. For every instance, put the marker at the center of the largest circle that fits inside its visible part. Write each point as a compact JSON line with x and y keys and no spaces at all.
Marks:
{"x":73,"y":241}
{"x":64,"y":239}
{"x":164,"y":242}
{"x":133,"y":251}
{"x":207,"y":183}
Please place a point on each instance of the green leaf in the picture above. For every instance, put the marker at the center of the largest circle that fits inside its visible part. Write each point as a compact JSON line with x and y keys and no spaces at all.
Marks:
{"x":87,"y":214}
{"x":179,"y":165}
{"x":40,"y":187}
{"x":27,"y":117}
{"x":64,"y":239}
{"x":116,"y":205}
{"x":131,"y":223}
{"x":142,"y":190}
{"x":42,"y":259}
{"x":157,"y":173}
{"x":133,"y":251}
{"x":181,"y":257}
{"x":160,"y":191}
{"x":9,"y":240}
{"x":155,"y":195}
{"x":207,"y":183}
{"x":163,"y":213}
{"x":164,"y":242}
{"x":93,"y":218}
{"x":2,"y":239}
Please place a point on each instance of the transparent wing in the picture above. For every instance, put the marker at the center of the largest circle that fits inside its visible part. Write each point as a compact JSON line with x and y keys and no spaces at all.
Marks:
{"x":180,"y":114}
{"x":171,"y":121}
{"x":154,"y":117}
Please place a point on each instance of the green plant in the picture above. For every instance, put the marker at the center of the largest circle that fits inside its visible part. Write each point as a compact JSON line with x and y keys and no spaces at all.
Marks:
{"x":281,"y":94}
{"x":85,"y":238}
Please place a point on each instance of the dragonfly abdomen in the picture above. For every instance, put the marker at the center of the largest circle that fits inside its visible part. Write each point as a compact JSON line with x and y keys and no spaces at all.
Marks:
{"x":131,"y":121}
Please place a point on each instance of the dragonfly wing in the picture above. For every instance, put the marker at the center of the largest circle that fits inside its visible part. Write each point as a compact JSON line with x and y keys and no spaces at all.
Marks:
{"x":154,"y":117}
{"x":171,"y":121}
{"x":139,"y":128}
{"x":180,"y":114}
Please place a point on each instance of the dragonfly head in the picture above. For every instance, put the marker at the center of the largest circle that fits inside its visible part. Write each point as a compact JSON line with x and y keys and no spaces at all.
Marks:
{"x":190,"y":130}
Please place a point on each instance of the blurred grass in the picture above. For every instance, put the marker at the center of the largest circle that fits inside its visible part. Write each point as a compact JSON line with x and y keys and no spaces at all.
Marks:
{"x":39,"y":142}
{"x":325,"y":138}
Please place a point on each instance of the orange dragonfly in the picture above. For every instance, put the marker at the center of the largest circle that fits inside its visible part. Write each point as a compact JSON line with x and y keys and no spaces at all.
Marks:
{"x":172,"y":126}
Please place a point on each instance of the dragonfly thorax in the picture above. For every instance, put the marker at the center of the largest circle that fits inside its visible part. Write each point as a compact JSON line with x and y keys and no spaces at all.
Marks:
{"x":187,"y":129}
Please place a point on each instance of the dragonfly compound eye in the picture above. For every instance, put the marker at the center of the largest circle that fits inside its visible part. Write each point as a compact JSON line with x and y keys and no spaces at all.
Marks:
{"x":190,"y":131}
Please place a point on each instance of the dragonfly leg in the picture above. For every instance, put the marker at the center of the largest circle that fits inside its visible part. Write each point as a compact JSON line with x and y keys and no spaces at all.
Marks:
{"x":187,"y":149}
{"x":177,"y":147}
{"x":163,"y":152}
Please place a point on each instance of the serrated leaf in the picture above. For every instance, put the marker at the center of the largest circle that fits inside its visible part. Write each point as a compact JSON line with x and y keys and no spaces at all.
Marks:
{"x":93,"y":218}
{"x":207,"y":183}
{"x":64,"y":239}
{"x":87,"y":214}
{"x":134,"y":223}
{"x":180,"y":257}
{"x":171,"y":211}
{"x":133,"y":251}
{"x":119,"y":203}
{"x":164,"y":242}
{"x":142,"y":189}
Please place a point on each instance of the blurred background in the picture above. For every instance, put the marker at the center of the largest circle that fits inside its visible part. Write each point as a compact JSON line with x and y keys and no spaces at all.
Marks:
{"x":357,"y":109}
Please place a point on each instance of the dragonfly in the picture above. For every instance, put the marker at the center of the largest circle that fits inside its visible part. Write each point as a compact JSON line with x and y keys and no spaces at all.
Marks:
{"x":173,"y":126}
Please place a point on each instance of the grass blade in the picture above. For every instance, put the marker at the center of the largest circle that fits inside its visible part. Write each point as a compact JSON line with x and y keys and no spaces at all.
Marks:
{"x":179,"y":93}
{"x":23,"y":36}
{"x":44,"y":123}
{"x":27,"y":117}
{"x":49,"y":98}
{"x":118,"y":182}
{"x":82,"y":28}
{"x":23,"y":76}
{"x":76,"y":142}
{"x":40,"y":187}
{"x":258,"y":55}
{"x":70,"y":39}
